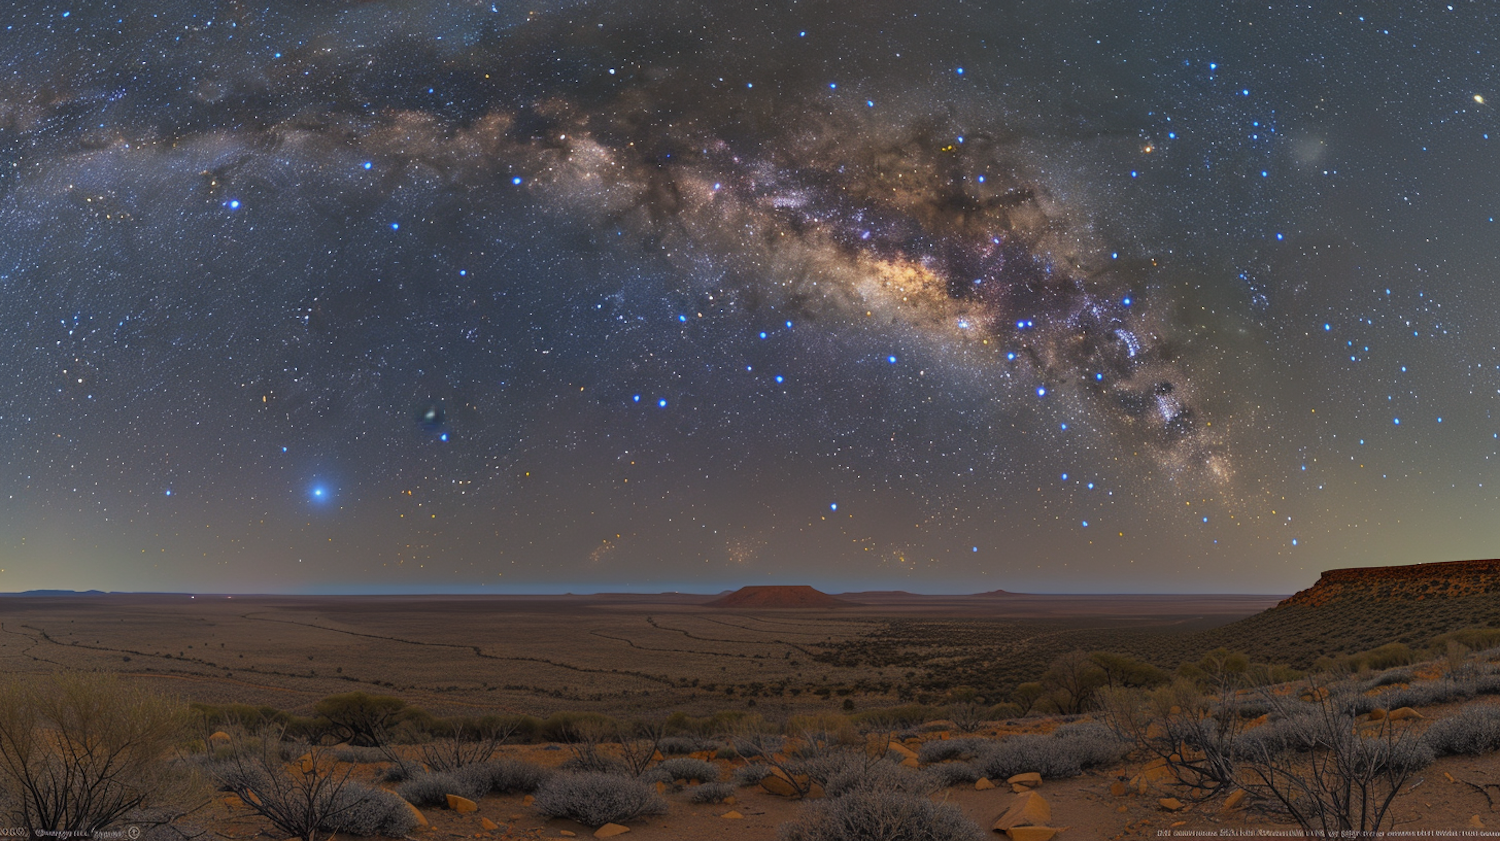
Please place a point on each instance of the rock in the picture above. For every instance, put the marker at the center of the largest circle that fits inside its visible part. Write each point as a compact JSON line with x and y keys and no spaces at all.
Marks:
{"x":1234,"y":799}
{"x":733,"y":815}
{"x":910,"y":762}
{"x":528,"y":800}
{"x":1257,"y":721}
{"x":1031,"y":833}
{"x":983,"y":784}
{"x":779,"y":784}
{"x":567,"y":833}
{"x":815,"y":792}
{"x":461,"y":804}
{"x":1028,"y":809}
{"x":610,"y":830}
{"x":1404,"y":714}
{"x":218,"y":736}
{"x":1476,"y":822}
{"x":486,"y":823}
{"x":661,"y":787}
{"x":729,"y":801}
{"x":417,"y":813}
{"x":1171,"y":804}
{"x":1376,"y":714}
{"x":656,"y":756}
{"x":906,"y":752}
{"x":1118,"y":789}
{"x":1030,"y":779}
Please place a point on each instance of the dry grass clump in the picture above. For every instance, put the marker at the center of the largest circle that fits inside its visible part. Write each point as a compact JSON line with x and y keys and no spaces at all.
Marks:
{"x":874,"y":815}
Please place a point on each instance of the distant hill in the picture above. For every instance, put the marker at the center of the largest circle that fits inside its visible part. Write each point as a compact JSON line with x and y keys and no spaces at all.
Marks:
{"x":996,"y":593}
{"x":1357,"y":609}
{"x":799,"y":595}
{"x":54,"y":593}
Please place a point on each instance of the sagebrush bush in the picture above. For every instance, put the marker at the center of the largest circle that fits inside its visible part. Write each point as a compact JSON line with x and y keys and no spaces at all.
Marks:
{"x":684,"y":768}
{"x":881,"y":776}
{"x":358,"y":809}
{"x":596,"y":799}
{"x":868,"y":815}
{"x":1475,"y":730}
{"x":939,"y":750}
{"x":1065,"y":753}
{"x":595,"y":763}
{"x":710,"y":793}
{"x":514,"y":776}
{"x":471,"y":781}
{"x":749,"y":775}
{"x":359,"y":755}
{"x":679,"y":745}
{"x":953,"y":773}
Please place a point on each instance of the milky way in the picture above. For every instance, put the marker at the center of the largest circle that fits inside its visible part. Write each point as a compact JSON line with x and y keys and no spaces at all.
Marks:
{"x":460,"y":296}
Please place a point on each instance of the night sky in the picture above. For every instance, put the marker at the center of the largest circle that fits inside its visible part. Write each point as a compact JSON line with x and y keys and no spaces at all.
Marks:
{"x":945,"y":297}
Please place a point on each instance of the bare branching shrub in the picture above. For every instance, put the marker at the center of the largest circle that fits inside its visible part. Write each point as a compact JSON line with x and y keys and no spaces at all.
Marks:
{"x":967,"y":715}
{"x":301,"y":789}
{"x":953,"y":773}
{"x":362,"y":719}
{"x":869,"y":815}
{"x":471,"y":743}
{"x":881,"y":776}
{"x":1325,"y":768}
{"x":80,"y":751}
{"x":597,"y":799}
{"x":680,"y":745}
{"x":632,"y":747}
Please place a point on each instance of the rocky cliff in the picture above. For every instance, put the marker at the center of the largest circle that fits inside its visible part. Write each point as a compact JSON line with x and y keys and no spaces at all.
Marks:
{"x":1407,"y":583}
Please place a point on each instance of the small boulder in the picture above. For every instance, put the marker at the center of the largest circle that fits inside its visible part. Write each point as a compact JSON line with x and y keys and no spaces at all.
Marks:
{"x":610,"y":830}
{"x":416,"y":813}
{"x":779,"y":784}
{"x":461,"y":804}
{"x":1476,"y":822}
{"x":983,"y":784}
{"x":1118,"y":789}
{"x":1030,"y":779}
{"x":1234,"y":799}
{"x":1376,"y":714}
{"x":910,"y":762}
{"x":733,"y":815}
{"x":1028,"y":809}
{"x":1404,"y":714}
{"x":1171,"y":804}
{"x":218,"y":736}
{"x":567,"y":833}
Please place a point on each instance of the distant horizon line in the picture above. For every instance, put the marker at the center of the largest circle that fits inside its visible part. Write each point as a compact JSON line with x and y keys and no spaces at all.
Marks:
{"x":45,"y":592}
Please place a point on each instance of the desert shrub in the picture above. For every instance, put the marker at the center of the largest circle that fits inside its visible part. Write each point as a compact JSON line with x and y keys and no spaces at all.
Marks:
{"x":1064,"y":753}
{"x":514,"y":776}
{"x":595,"y":763}
{"x":1475,"y":639}
{"x":251,"y":718}
{"x":1124,"y":670}
{"x":749,"y":775}
{"x":880,"y":777}
{"x":894,"y":718}
{"x":679,"y":745}
{"x":711,"y":792}
{"x":362,"y":719}
{"x":309,"y":794}
{"x":683,"y":768}
{"x":953,"y":773}
{"x":1003,"y":711}
{"x":939,"y":750}
{"x":1430,"y":692}
{"x":362,"y":756}
{"x":568,"y":726}
{"x":597,"y":799}
{"x":1475,"y":729}
{"x":866,"y":815}
{"x":358,"y":809}
{"x":471,"y":781}
{"x":80,"y":751}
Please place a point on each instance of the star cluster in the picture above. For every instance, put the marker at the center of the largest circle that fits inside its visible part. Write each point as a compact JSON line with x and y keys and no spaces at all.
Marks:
{"x":455,"y":296}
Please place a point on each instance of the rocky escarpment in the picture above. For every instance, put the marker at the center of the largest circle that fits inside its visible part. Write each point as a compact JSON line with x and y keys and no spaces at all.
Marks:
{"x":779,"y":597}
{"x":1413,"y":582}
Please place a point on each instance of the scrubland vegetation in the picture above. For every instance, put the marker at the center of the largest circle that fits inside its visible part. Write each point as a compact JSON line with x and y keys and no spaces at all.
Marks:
{"x":1328,"y":747}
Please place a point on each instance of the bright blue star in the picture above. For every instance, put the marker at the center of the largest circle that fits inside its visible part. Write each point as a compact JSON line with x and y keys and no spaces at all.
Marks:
{"x":443,"y":437}
{"x":169,"y":491}
{"x":636,"y":398}
{"x":367,"y":165}
{"x":662,"y":403}
{"x":833,"y":506}
{"x":233,"y":204}
{"x":516,"y":180}
{"x":762,"y":334}
{"x":395,"y":226}
{"x":1041,"y":391}
{"x":781,"y":379}
{"x":959,"y":71}
{"x":1125,"y":301}
{"x":891,"y":359}
{"x":1085,"y":523}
